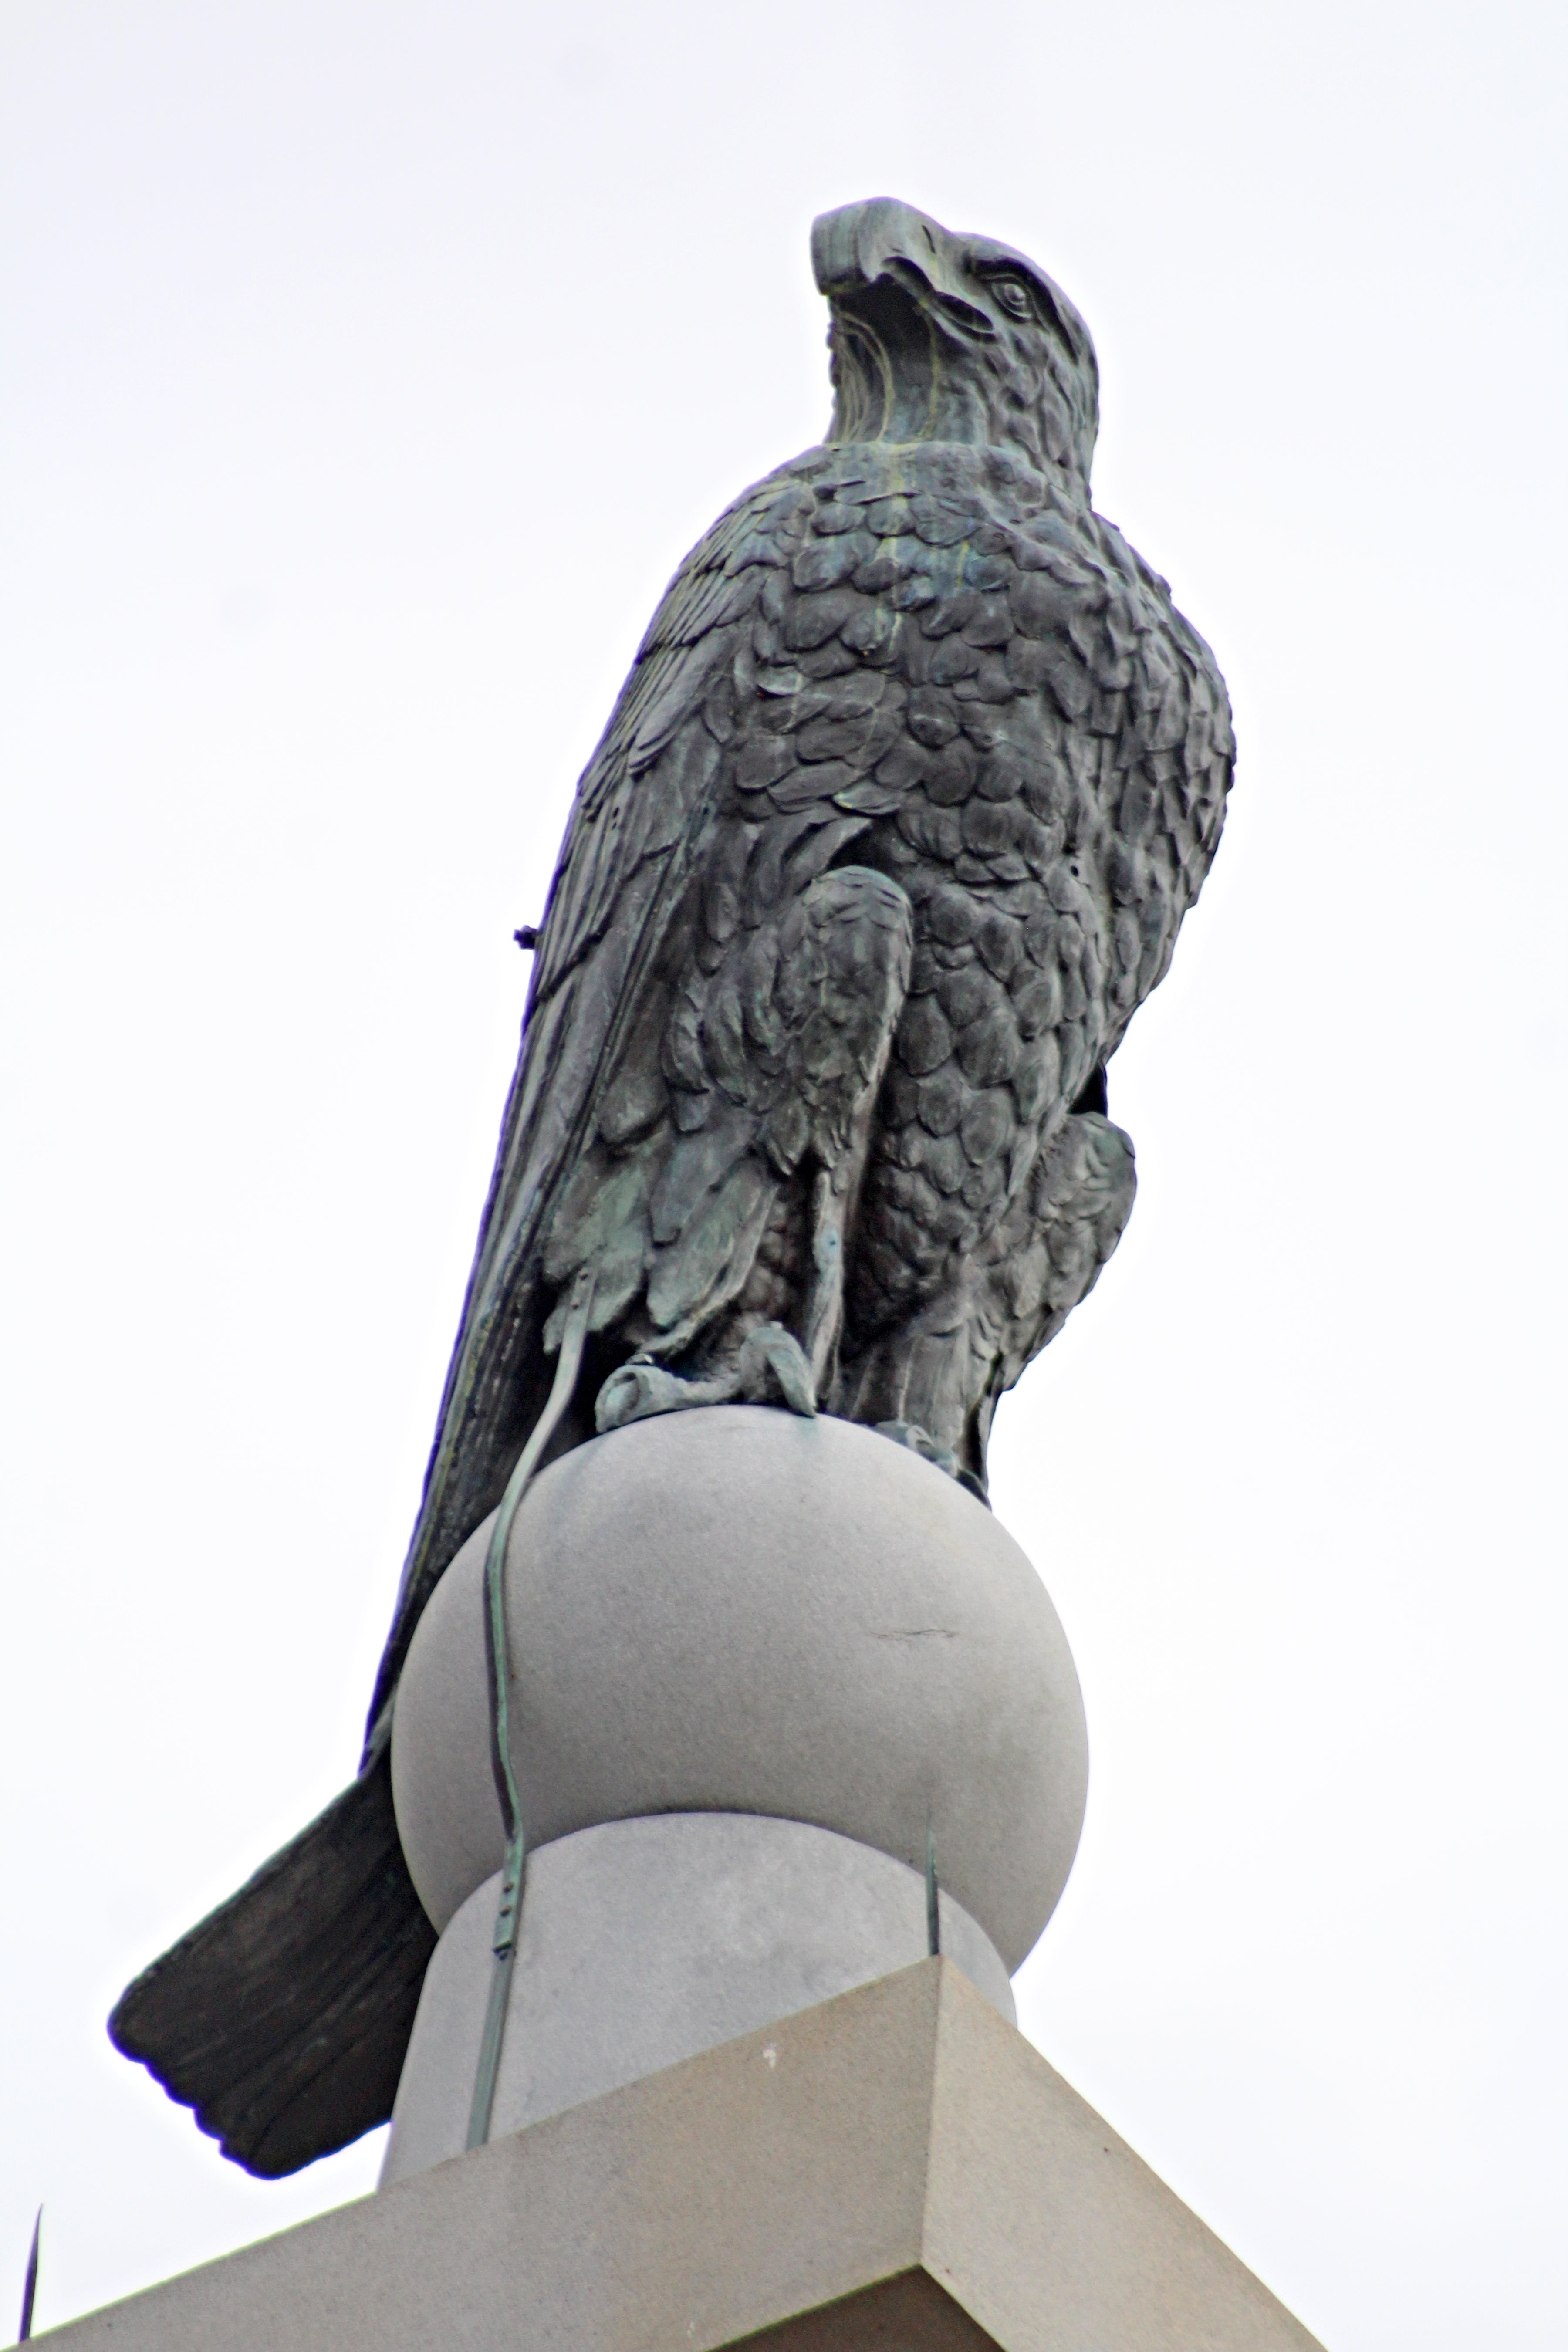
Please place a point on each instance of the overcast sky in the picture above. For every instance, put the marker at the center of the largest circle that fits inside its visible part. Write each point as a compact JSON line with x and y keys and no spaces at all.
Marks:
{"x":368,"y":365}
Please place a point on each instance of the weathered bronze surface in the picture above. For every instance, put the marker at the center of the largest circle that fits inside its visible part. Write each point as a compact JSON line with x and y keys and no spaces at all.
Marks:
{"x":891,"y":830}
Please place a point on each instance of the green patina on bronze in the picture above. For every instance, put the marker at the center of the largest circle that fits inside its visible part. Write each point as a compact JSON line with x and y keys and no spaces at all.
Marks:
{"x":915,"y":776}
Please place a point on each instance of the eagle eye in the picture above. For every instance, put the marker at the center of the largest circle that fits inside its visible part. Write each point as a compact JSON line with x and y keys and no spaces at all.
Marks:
{"x":1013,"y":295}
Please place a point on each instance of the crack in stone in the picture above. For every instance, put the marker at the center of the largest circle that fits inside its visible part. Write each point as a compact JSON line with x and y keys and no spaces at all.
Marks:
{"x":918,"y":1634}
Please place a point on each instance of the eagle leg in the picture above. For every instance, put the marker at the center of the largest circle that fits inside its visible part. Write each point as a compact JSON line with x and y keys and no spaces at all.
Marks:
{"x":863,"y":935}
{"x":921,"y":1382}
{"x":934,"y":1379}
{"x":844,"y":968}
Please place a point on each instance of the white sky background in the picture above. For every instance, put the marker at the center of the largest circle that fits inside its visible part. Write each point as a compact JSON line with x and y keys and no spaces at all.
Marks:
{"x":369,"y":364}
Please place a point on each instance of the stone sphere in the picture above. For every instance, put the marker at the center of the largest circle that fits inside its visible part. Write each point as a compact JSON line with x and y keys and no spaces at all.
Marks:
{"x":733,"y":1609}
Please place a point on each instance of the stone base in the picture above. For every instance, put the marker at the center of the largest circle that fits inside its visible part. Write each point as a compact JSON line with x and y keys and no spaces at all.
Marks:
{"x":644,"y":1942}
{"x":896,"y":2166}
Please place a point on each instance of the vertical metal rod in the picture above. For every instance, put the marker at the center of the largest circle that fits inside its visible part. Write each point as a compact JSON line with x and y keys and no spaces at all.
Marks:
{"x":30,"y":2282}
{"x":933,"y":1908}
{"x":503,"y":1943}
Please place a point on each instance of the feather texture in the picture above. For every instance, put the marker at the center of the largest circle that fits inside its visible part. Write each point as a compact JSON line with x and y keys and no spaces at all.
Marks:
{"x":916,"y":774}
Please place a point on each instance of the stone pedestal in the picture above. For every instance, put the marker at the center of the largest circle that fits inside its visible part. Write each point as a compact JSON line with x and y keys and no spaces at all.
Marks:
{"x":759,"y":1670}
{"x":645,"y":1941}
{"x":894,"y":2167}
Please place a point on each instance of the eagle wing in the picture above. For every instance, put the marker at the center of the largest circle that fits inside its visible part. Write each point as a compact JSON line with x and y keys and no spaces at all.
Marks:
{"x":642,"y":815}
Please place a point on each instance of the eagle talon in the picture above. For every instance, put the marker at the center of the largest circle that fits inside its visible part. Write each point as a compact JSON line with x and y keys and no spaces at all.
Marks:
{"x":772,"y":1368}
{"x":920,"y":1441}
{"x":930,"y":1449}
{"x":775,"y":1368}
{"x":639,"y":1390}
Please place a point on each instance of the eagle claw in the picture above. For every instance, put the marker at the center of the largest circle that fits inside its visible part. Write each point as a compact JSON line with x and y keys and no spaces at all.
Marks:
{"x":636,"y":1392}
{"x":771,"y":1369}
{"x":920,"y":1441}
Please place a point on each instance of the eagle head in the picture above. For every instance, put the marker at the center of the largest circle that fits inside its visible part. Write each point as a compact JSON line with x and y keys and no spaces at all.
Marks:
{"x":941,"y":337}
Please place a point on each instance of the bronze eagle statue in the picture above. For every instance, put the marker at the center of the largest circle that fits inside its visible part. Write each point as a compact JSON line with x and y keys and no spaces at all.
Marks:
{"x":891,"y":830}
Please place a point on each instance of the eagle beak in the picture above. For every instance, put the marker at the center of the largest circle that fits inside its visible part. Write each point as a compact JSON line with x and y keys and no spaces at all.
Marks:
{"x":884,"y":242}
{"x":851,"y":248}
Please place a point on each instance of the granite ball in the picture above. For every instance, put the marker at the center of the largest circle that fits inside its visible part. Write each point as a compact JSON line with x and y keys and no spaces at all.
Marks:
{"x":734,"y":1609}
